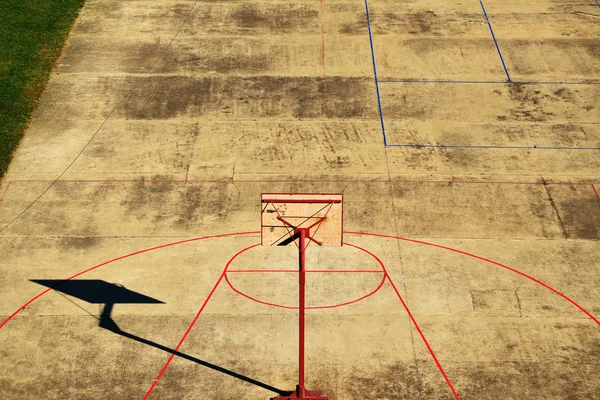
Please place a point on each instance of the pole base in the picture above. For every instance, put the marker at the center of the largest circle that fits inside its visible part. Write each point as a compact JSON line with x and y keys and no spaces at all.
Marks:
{"x":296,"y":395}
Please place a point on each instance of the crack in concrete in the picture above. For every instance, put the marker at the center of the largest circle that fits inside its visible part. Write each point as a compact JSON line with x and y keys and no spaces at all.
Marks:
{"x":560,"y":220}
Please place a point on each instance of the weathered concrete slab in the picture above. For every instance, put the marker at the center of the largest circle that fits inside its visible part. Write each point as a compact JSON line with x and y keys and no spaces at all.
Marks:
{"x":166,"y":120}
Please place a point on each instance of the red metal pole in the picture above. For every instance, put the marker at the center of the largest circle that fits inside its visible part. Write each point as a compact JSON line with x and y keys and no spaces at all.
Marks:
{"x":302,"y":284}
{"x":301,"y":392}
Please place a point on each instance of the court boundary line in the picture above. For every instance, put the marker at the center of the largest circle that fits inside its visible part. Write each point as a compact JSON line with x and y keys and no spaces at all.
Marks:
{"x":375,"y":73}
{"x":509,"y":81}
{"x":413,"y":320}
{"x":423,"y":338}
{"x":250,"y":181}
{"x":534,"y":147}
{"x":495,"y":41}
{"x":473,"y":82}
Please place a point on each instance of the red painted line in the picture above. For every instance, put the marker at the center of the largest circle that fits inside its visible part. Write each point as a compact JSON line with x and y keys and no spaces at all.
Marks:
{"x":414,"y":321}
{"x":302,"y":201}
{"x":488,"y":261}
{"x":230,"y":181}
{"x":323,"y":47}
{"x":189,"y":329}
{"x":593,"y":187}
{"x":308,"y":270}
{"x":382,"y":270}
{"x":118,"y":259}
{"x":350,"y":233}
{"x":386,"y":276}
{"x":266,"y":303}
{"x":262,"y":270}
{"x":344,"y":270}
{"x":254,"y":299}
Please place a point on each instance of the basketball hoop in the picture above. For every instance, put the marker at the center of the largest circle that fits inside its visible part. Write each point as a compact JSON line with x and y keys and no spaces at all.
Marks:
{"x":301,"y":219}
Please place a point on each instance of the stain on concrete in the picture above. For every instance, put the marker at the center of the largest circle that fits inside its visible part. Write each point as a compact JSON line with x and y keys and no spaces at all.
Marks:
{"x":344,"y":97}
{"x":253,"y":97}
{"x":357,"y":25}
{"x":543,"y":212}
{"x":246,"y":63}
{"x":201,"y":201}
{"x":571,"y":379}
{"x":461,"y":157}
{"x":497,"y":302}
{"x":581,"y":217}
{"x":396,"y":381}
{"x":79,"y":243}
{"x":278,"y":19}
{"x":220,"y":55}
{"x":403,"y":106}
{"x":426,"y":23}
{"x":530,"y":103}
{"x":167,"y":97}
{"x":148,"y":199}
{"x":324,"y":378}
{"x":423,"y":22}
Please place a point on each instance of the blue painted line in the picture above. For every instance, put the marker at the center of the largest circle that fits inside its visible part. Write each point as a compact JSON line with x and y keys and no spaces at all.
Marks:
{"x":440,"y":81}
{"x":486,"y":82}
{"x":375,"y":73}
{"x":557,"y":83}
{"x":495,"y":41}
{"x":440,"y":146}
{"x":598,"y":3}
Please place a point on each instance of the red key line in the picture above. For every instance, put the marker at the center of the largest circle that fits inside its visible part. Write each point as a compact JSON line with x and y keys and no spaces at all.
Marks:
{"x":413,"y":320}
{"x":322,"y":38}
{"x":308,"y":270}
{"x":323,"y":47}
{"x":189,"y":329}
{"x":266,"y":303}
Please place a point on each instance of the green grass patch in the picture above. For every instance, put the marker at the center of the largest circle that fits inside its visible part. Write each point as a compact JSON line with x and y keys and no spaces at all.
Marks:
{"x":32,"y":34}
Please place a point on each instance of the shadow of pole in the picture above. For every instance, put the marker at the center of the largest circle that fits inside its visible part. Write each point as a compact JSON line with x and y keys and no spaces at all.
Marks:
{"x":97,"y":291}
{"x":108,"y":323}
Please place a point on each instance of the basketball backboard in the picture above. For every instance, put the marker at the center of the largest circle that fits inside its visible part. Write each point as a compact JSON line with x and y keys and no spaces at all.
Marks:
{"x":282,"y":214}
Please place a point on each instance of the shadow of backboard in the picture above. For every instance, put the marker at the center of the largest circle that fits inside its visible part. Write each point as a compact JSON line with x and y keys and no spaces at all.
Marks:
{"x":96,"y":291}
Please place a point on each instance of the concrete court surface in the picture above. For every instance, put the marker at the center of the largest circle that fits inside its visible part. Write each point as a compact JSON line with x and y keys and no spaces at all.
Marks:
{"x":166,"y":119}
